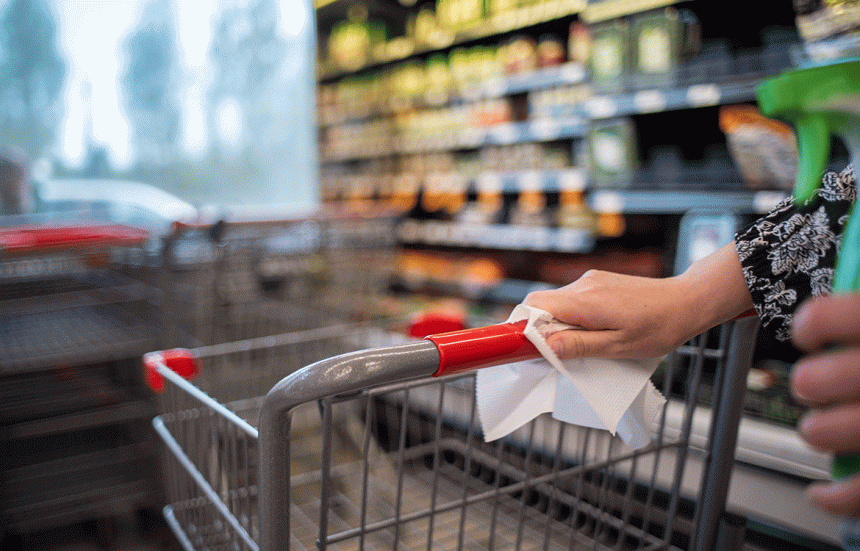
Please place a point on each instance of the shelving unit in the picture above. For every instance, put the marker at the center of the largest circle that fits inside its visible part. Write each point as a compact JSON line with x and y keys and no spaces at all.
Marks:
{"x":369,"y":133}
{"x":437,"y":154}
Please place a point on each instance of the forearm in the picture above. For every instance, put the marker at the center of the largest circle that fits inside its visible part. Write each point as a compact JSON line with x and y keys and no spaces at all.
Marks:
{"x":714,"y":290}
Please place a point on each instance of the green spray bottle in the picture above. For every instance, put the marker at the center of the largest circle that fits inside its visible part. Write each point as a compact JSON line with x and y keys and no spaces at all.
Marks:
{"x":820,"y":102}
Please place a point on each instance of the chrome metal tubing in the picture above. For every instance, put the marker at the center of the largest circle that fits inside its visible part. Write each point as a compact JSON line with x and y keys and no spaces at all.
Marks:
{"x":339,"y":375}
{"x":725,"y":424}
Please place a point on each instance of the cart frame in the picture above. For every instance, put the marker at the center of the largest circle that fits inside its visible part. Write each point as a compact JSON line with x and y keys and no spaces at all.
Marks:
{"x":348,"y":374}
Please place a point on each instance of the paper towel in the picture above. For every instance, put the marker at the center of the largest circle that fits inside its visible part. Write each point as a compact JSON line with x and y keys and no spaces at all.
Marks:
{"x":615,"y":395}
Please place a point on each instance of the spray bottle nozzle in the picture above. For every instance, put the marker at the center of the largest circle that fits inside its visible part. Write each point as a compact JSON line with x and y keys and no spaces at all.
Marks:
{"x":814,"y":100}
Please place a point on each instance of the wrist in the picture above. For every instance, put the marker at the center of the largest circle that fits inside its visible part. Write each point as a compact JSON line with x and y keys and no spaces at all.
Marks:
{"x":715,"y":289}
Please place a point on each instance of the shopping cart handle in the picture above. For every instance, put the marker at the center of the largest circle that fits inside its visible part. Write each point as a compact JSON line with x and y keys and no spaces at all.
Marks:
{"x":470,"y":349}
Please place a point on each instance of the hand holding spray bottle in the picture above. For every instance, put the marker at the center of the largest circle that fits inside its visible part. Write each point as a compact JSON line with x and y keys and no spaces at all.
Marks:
{"x":821,"y":99}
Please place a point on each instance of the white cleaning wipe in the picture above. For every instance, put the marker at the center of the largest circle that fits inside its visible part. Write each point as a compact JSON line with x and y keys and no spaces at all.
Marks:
{"x":615,"y":395}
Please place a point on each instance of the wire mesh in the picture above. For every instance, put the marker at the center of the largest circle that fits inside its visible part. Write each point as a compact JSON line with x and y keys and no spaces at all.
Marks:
{"x":237,"y":281}
{"x":404,"y":466}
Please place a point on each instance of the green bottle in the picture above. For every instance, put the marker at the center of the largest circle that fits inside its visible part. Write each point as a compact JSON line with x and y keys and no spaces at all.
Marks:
{"x":821,"y":102}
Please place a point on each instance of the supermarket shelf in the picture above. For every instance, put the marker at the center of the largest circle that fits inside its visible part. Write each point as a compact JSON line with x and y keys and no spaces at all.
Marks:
{"x":660,"y":100}
{"x":672,"y":202}
{"x":514,"y":20}
{"x":469,"y":138}
{"x":610,"y":9}
{"x":495,"y":236}
{"x":549,"y":77}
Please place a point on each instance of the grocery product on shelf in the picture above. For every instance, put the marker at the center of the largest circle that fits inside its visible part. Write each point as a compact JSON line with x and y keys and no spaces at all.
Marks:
{"x":550,"y":51}
{"x":610,"y":55}
{"x":830,"y":30}
{"x":662,"y":40}
{"x":351,"y":42}
{"x":613,"y":152}
{"x":579,"y":43}
{"x":764,"y":150}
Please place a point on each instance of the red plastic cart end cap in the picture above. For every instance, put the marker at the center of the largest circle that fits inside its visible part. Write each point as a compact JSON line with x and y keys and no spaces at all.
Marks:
{"x":431,"y":323}
{"x":179,"y":360}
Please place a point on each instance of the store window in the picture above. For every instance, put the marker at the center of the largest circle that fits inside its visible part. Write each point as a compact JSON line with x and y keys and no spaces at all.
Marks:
{"x":211,"y":101}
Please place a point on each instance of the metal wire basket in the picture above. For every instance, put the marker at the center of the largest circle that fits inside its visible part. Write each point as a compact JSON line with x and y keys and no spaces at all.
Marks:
{"x":380,"y":449}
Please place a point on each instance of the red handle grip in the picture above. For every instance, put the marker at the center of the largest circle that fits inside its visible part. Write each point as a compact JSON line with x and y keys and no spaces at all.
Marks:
{"x":482,"y":347}
{"x":25,"y":239}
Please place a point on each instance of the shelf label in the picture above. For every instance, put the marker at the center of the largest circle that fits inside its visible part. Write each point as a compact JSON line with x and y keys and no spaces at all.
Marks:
{"x":571,"y":180}
{"x":505,"y":133}
{"x":703,"y":95}
{"x":489,"y":182}
{"x":409,"y":231}
{"x":609,"y":202}
{"x":545,"y":129}
{"x":531,"y":180}
{"x":472,"y":136}
{"x":539,"y":239}
{"x":650,"y":101}
{"x":572,"y":73}
{"x":602,"y":107}
{"x":570,"y":240}
{"x":495,"y":87}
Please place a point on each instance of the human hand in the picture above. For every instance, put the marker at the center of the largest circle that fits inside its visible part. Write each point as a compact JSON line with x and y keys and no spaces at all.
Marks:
{"x":621,"y":316}
{"x":828,"y":380}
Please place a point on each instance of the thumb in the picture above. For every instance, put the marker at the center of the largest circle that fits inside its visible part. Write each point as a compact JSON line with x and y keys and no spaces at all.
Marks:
{"x":579,"y":343}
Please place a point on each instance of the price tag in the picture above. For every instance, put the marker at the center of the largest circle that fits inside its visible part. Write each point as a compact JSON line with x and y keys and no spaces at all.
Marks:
{"x":609,"y":202}
{"x":702,"y":95}
{"x":434,"y":232}
{"x":571,"y":180}
{"x":531,"y":180}
{"x":471,"y":93}
{"x":505,"y":133}
{"x":540,"y":239}
{"x":602,"y":107}
{"x":649,"y":101}
{"x":408,"y":231}
{"x":545,"y":129}
{"x":495,"y":87}
{"x":572,"y":73}
{"x":489,"y":182}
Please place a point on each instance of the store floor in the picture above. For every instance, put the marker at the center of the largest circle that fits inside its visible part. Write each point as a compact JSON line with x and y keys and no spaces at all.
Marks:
{"x":143,"y":532}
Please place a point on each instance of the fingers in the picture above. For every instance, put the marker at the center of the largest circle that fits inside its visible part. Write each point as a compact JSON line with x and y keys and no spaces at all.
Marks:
{"x":587,"y":302}
{"x":839,"y":498}
{"x":823,"y":321}
{"x":582,"y":344}
{"x":834,"y":429}
{"x":827,"y":378}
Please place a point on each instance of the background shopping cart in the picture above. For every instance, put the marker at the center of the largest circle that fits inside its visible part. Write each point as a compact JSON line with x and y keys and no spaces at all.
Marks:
{"x":368,"y":451}
{"x":229,"y":281}
{"x":77,"y":309}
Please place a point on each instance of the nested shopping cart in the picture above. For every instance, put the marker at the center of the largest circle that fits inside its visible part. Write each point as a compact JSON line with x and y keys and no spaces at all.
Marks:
{"x":232,"y":280}
{"x":77,"y":310}
{"x":374,"y":444}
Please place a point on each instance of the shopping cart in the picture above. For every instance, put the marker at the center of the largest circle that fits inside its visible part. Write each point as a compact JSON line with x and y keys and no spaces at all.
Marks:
{"x":77,"y":310}
{"x":234,"y":280}
{"x":379,"y":449}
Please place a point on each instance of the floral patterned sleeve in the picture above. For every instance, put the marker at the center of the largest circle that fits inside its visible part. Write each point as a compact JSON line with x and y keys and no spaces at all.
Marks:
{"x":789,"y":254}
